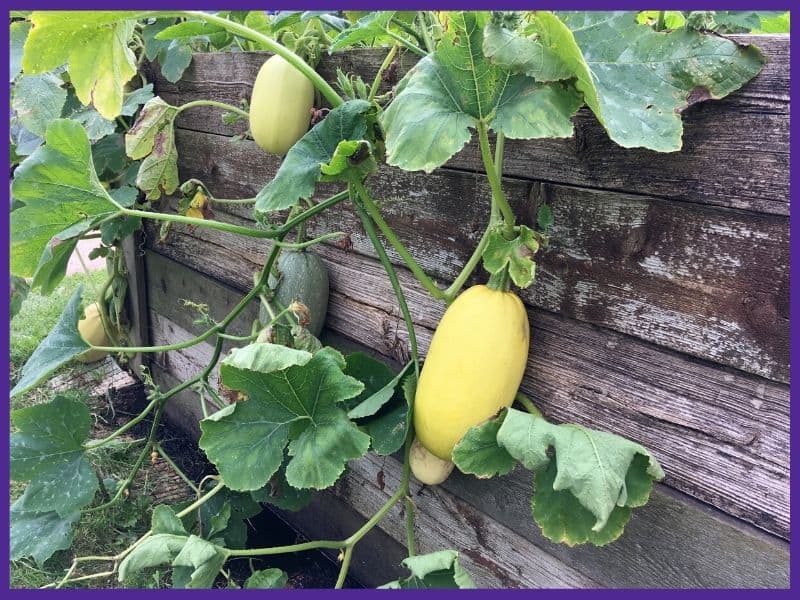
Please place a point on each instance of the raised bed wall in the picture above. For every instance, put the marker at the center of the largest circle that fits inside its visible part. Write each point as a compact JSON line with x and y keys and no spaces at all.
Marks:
{"x":660,"y":312}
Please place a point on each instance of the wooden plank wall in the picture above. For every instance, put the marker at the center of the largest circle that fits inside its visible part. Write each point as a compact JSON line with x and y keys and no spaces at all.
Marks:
{"x":660,"y":312}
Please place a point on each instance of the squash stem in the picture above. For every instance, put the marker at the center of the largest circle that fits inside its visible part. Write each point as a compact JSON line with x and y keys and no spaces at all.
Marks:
{"x":528,"y":404}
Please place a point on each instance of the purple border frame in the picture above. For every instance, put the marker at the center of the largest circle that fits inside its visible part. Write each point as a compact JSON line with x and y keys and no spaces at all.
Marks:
{"x":419,"y":5}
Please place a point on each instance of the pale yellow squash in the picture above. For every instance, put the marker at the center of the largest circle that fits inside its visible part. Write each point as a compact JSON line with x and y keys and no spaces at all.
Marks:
{"x":474,"y":366}
{"x":426,"y":467}
{"x":91,"y":329}
{"x":280,"y":106}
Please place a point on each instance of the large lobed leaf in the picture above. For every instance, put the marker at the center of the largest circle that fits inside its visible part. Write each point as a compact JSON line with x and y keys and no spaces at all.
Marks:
{"x":61,"y":345}
{"x":293,"y":397}
{"x":152,"y":138}
{"x":585,"y":490}
{"x":637,"y":81}
{"x":47,"y":450}
{"x":452,"y":89}
{"x":382,"y":408}
{"x":93,"y":44}
{"x":39,"y":534}
{"x":59,"y":187}
{"x":302,"y":166}
{"x":433,"y":571}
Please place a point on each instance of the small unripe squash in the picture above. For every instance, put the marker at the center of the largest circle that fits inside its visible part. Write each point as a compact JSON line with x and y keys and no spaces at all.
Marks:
{"x":91,"y":329}
{"x":474,"y":366}
{"x":426,"y":467}
{"x":280,"y":106}
{"x":303,"y":277}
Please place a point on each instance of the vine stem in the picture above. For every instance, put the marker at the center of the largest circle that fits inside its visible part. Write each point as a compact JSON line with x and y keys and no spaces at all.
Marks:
{"x":528,"y":404}
{"x":376,"y":83}
{"x":118,"y":557}
{"x":408,"y":44}
{"x":360,"y":203}
{"x":238,"y":229}
{"x":129,"y":425}
{"x":151,"y":438}
{"x":348,"y":555}
{"x":273,"y":46}
{"x":494,"y":180}
{"x":216,"y":104}
{"x":307,"y":243}
{"x":176,"y":468}
{"x":279,"y":234}
{"x":373,"y":212}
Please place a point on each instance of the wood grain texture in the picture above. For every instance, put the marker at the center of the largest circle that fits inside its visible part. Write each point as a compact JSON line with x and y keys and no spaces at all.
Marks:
{"x":672,"y":542}
{"x":133,"y":248}
{"x":735,"y":151}
{"x":722,"y":436}
{"x":709,"y":282}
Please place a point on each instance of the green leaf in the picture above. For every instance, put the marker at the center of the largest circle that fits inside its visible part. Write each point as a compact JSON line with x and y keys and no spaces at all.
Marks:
{"x":164,"y":520}
{"x":40,"y":534}
{"x":47,"y":450}
{"x":448,"y":92}
{"x":564,"y":520}
{"x":189,"y":30}
{"x":38,"y":100}
{"x":152,"y":138}
{"x":432,"y":571}
{"x":120,"y":228}
{"x":672,"y":18}
{"x":266,"y":579}
{"x":173,"y":56}
{"x":60,"y":346}
{"x":479,"y":454}
{"x":599,"y":469}
{"x":59,"y":187}
{"x":93,"y":122}
{"x":53,"y":263}
{"x":135,"y":99}
{"x":774,"y":22}
{"x":381,"y":408}
{"x":516,"y":255}
{"x":638,"y":81}
{"x":302,"y":166}
{"x":544,"y":217}
{"x":513,"y":51}
{"x":351,"y":158}
{"x":108,"y":155}
{"x":291,"y":395}
{"x":225,"y":515}
{"x":93,"y":44}
{"x":279,"y":493}
{"x":18,"y":33}
{"x":156,"y":550}
{"x":737,"y":19}
{"x":201,"y":561}
{"x":379,"y":382}
{"x":365,"y":30}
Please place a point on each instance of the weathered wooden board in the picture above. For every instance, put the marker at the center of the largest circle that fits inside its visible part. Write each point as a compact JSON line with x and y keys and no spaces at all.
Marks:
{"x":660,"y":313}
{"x":705,"y":281}
{"x":735,"y":151}
{"x":672,"y":542}
{"x":133,"y":250}
{"x":722,"y":436}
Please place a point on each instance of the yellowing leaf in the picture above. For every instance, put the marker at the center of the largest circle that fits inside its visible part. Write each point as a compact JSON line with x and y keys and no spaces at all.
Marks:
{"x":93,"y":45}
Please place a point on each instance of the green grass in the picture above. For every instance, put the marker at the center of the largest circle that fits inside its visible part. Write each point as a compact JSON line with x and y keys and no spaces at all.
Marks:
{"x":101,"y":533}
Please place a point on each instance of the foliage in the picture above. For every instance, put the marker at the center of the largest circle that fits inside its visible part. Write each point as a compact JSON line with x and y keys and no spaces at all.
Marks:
{"x":94,"y":154}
